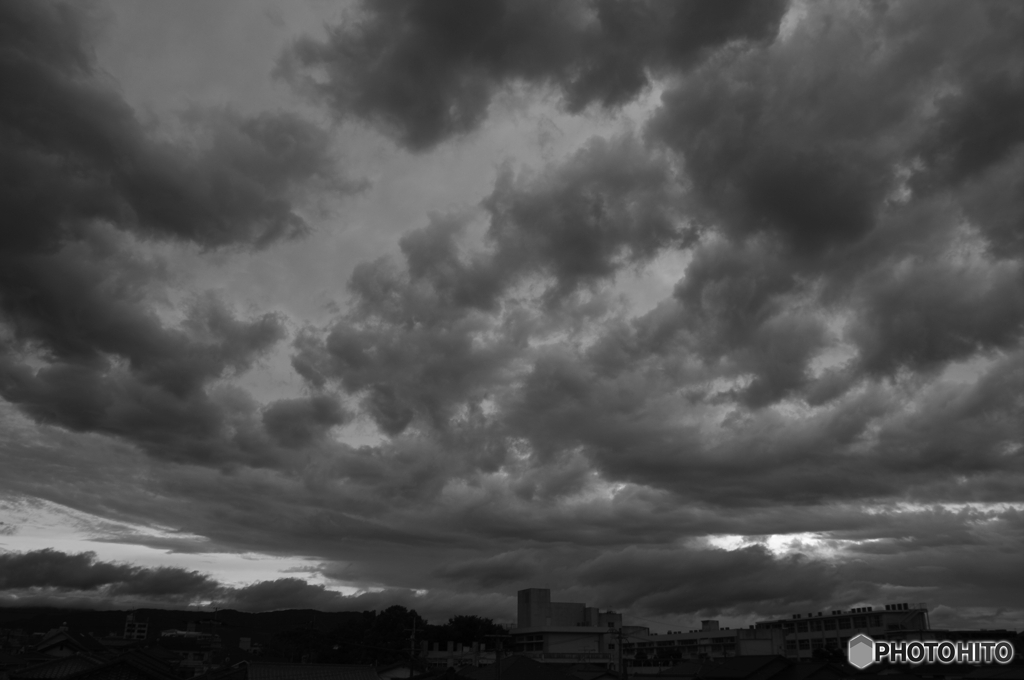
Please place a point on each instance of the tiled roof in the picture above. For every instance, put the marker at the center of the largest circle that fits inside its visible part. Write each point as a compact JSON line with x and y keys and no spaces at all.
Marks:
{"x":57,"y":668}
{"x":9,"y":661}
{"x":310,"y":671}
{"x":131,"y":666}
{"x":79,"y":642}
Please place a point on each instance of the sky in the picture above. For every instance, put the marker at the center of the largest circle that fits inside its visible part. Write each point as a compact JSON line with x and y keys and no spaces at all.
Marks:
{"x":685,"y":310}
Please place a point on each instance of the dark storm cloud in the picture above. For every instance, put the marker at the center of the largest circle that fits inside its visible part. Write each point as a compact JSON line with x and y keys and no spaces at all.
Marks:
{"x":613,"y":203}
{"x":736,"y":119}
{"x":414,"y":340}
{"x":427,"y":73}
{"x":74,"y":151}
{"x":842,"y":202}
{"x":156,"y":397}
{"x":298,"y":422}
{"x":88,"y":185}
{"x":934,"y":313}
{"x":54,"y":569}
{"x":502,"y":571}
{"x":966,"y":558}
{"x":284,"y":593}
{"x":862,"y":210}
{"x":749,"y":578}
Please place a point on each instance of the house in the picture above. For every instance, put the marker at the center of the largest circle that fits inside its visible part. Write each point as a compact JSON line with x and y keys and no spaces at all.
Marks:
{"x":133,"y":665}
{"x":62,"y":642}
{"x":56,"y":668}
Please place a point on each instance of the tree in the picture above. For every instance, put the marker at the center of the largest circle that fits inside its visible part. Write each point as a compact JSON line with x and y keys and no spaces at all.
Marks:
{"x":466,"y":630}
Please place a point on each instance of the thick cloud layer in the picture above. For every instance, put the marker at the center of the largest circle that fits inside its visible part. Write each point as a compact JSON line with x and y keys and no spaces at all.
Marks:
{"x":761,"y":352}
{"x":427,"y":73}
{"x":88,"y":186}
{"x":53,"y":570}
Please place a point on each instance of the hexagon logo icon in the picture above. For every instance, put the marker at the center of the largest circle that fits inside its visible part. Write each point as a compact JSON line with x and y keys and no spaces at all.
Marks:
{"x":860,"y":651}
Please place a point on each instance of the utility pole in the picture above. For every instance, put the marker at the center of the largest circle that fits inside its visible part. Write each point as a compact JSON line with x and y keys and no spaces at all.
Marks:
{"x":622,"y":662}
{"x":412,"y":644}
{"x":497,"y":653}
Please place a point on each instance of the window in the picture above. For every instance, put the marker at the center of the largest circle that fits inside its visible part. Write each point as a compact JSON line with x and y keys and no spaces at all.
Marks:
{"x":844,"y":624}
{"x":830,"y":624}
{"x":804,"y":644}
{"x":611,"y":646}
{"x":801,"y":627}
{"x":860,"y":622}
{"x":815,"y":625}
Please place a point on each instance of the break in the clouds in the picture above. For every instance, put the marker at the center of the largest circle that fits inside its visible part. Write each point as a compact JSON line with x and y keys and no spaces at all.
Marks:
{"x":730,"y":323}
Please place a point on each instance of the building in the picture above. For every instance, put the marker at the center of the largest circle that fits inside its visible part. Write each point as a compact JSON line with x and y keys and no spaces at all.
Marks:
{"x":63,"y":642}
{"x":651,"y":653}
{"x":806,"y":633}
{"x":134,"y":628}
{"x":566,"y":632}
{"x":455,"y":655}
{"x":536,"y":610}
{"x":195,"y":652}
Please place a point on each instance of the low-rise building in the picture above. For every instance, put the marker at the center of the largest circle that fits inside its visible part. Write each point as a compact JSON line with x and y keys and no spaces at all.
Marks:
{"x":196,"y":652}
{"x":650,"y":653}
{"x":455,"y":655}
{"x":135,"y":628}
{"x":805,"y":633}
{"x":566,"y":632}
{"x":63,"y":642}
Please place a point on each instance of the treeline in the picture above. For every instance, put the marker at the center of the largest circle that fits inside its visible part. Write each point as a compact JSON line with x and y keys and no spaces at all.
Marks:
{"x":379,"y":637}
{"x":292,"y":635}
